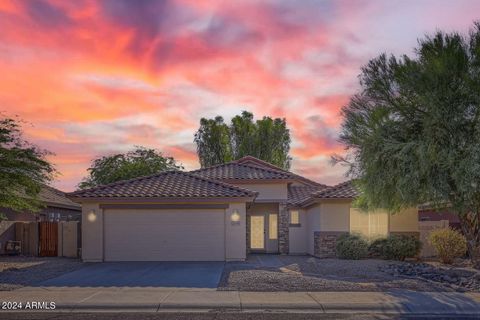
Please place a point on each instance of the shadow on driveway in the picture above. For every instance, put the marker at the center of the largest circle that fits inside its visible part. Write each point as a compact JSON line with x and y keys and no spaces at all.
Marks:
{"x":142,"y":274}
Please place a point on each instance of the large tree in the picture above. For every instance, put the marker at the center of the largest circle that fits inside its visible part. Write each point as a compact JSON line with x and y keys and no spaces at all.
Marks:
{"x":122,"y":166}
{"x":24,"y":168}
{"x":267,"y":139}
{"x":413,"y":130}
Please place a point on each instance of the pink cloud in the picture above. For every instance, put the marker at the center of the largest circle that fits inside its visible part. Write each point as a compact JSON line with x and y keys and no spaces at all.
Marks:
{"x":96,"y":77}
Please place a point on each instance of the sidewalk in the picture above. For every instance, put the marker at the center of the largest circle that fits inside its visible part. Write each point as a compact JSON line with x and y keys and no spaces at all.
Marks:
{"x":75,"y":299}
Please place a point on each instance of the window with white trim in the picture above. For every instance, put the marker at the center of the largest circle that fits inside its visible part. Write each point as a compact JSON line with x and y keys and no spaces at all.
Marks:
{"x":294,"y":217}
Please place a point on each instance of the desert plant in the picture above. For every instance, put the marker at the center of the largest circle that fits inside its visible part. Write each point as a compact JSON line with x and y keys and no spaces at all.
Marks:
{"x":448,"y":243}
{"x":351,"y":246}
{"x":375,"y":249}
{"x":399,"y":247}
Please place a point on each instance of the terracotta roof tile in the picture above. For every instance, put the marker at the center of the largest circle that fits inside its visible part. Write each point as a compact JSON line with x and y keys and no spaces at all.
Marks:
{"x":56,"y":198}
{"x":168,"y":184}
{"x":299,"y":194}
{"x":263,"y":164}
{"x":345,"y":190}
{"x":237,"y":171}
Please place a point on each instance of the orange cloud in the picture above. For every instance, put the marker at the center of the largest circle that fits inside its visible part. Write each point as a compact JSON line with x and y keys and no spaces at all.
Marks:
{"x":96,"y":77}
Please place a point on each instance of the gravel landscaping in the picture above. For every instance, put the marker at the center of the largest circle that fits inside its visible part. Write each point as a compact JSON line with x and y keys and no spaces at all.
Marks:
{"x":17,"y":272}
{"x":460,"y":278}
{"x":303,"y":273}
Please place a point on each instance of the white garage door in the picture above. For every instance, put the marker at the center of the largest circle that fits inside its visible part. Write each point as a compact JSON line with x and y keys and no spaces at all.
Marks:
{"x":164,"y":235}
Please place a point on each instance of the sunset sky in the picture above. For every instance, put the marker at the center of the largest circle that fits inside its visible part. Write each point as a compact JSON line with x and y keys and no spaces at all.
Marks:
{"x":97,"y":77}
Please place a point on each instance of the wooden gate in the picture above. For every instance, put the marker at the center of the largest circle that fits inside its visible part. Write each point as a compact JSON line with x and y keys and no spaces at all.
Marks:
{"x":48,"y":239}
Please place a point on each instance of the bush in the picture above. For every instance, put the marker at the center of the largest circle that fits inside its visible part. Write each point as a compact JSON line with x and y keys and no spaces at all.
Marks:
{"x":395,"y":247}
{"x":399,"y":247}
{"x":448,"y":243}
{"x":375,"y":249}
{"x":351,"y":246}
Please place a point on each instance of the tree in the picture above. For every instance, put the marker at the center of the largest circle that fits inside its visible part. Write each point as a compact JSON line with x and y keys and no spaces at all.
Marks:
{"x":24,"y":169}
{"x":213,"y":142}
{"x":267,"y":139}
{"x":122,"y":166}
{"x":413,"y":130}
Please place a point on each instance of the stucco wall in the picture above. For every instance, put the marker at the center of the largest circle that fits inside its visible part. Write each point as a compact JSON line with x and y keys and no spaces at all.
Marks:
{"x":404,"y":221}
{"x":313,"y":225}
{"x":267,"y":191}
{"x":92,"y":233}
{"x":371,"y":224}
{"x":335,"y":216}
{"x":298,"y":235}
{"x":327,"y":218}
{"x":379,"y":223}
{"x":235,"y":233}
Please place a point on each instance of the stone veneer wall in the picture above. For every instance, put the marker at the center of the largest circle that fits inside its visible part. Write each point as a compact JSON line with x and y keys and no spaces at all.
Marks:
{"x":325,"y":242}
{"x":283,"y":229}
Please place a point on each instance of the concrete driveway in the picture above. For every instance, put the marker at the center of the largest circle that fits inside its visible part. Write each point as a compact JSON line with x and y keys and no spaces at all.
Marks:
{"x":142,"y":274}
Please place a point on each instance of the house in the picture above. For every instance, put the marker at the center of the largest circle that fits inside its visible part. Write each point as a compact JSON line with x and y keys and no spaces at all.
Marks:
{"x":222,"y":213}
{"x":426,"y":212}
{"x":56,"y":207}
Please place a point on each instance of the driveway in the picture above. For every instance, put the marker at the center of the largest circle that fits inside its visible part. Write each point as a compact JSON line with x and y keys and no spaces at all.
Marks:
{"x":142,"y":274}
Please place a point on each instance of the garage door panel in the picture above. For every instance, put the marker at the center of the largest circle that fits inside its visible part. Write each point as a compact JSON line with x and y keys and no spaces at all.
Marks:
{"x":164,"y":235}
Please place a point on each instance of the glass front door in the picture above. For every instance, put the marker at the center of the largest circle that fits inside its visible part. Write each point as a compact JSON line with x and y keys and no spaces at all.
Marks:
{"x":257,"y":232}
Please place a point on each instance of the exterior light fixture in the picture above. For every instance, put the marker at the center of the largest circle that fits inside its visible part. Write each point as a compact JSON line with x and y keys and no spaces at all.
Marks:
{"x":235,"y":217}
{"x":92,"y":216}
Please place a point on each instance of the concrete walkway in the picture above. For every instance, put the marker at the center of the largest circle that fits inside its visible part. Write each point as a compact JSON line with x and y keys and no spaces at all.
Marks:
{"x":76,"y":299}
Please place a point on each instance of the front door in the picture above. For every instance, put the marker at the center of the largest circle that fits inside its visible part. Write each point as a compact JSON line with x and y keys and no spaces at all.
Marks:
{"x":257,"y":233}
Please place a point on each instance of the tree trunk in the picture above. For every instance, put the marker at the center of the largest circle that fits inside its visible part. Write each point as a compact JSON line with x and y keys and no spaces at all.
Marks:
{"x":471,"y":229}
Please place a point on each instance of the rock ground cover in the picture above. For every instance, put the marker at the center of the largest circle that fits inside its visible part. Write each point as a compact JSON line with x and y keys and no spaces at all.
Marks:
{"x":19,"y":271}
{"x":302,"y":273}
{"x":458,"y":277}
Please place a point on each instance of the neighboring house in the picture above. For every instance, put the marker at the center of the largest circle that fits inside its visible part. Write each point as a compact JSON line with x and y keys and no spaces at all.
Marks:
{"x":222,"y":213}
{"x":57,"y":207}
{"x":426,"y":213}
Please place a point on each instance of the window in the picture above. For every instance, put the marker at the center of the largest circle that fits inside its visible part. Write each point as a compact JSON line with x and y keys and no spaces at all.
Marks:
{"x":272,"y":226}
{"x":294,"y":217}
{"x":372,"y":224}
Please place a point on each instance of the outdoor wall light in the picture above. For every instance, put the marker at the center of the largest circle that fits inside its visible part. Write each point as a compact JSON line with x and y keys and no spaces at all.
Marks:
{"x":235,"y":217}
{"x":92,"y":216}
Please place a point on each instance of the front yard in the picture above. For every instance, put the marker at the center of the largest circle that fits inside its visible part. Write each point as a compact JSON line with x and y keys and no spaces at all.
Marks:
{"x":303,"y":273}
{"x":281,"y":273}
{"x":18,"y":271}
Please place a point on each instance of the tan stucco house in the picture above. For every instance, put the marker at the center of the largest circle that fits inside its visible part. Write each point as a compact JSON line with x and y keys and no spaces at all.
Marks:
{"x":222,"y":213}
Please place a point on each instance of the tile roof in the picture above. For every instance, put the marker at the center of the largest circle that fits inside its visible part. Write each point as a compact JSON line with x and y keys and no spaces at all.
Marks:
{"x":237,"y":171}
{"x":344,"y":190}
{"x":263,"y":164}
{"x":168,"y":184}
{"x":56,"y":198}
{"x":298,"y":194}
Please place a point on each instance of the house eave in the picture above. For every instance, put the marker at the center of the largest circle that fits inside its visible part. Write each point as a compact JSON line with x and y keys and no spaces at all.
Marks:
{"x":160,"y":200}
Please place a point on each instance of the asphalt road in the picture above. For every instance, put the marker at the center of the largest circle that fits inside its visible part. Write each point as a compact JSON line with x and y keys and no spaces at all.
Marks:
{"x":217,"y":316}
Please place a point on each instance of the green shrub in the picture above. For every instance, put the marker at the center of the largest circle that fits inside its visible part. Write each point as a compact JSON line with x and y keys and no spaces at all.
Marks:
{"x":351,"y":246}
{"x":448,"y":243}
{"x":375,"y":250}
{"x":399,"y":247}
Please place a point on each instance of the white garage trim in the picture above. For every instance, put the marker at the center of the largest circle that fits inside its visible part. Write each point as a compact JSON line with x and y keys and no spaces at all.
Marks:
{"x":164,"y":235}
